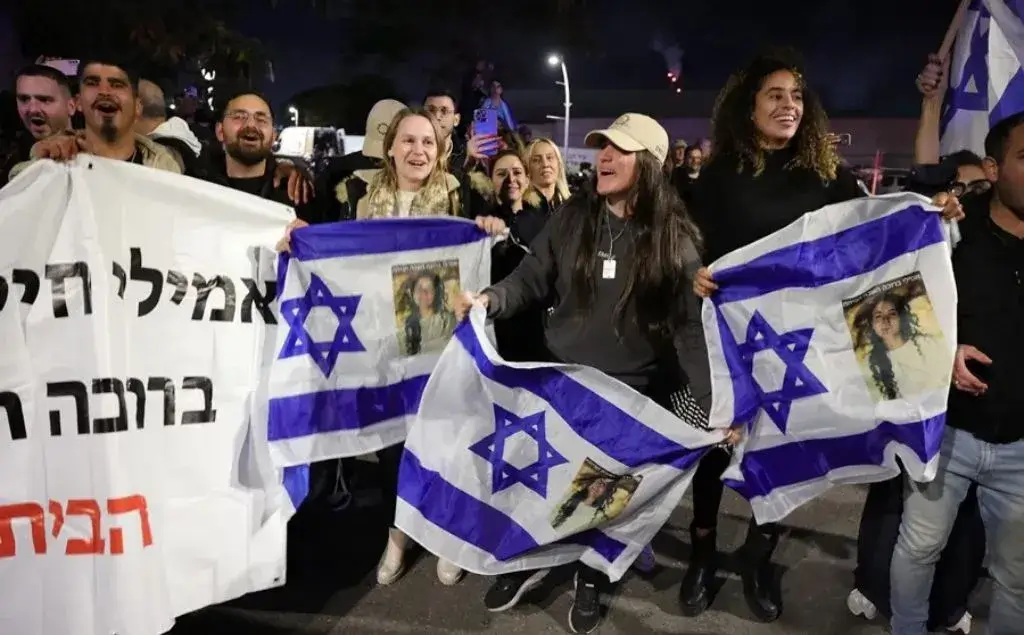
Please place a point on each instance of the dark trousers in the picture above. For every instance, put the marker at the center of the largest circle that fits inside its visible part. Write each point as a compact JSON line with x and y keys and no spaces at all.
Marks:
{"x":389,"y":460}
{"x":707,"y":488}
{"x":959,"y":567}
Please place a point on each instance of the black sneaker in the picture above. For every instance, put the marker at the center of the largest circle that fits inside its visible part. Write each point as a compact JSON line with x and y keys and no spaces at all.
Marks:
{"x":509,"y":588}
{"x":585,"y":612}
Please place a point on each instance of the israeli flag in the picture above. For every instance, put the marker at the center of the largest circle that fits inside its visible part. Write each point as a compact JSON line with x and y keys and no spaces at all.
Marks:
{"x":366,"y":309}
{"x":986,"y":81}
{"x":833,"y":339}
{"x":513,"y":466}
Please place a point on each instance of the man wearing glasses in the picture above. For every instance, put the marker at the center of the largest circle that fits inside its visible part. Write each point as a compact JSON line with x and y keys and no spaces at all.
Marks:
{"x":246,"y":132}
{"x":444,"y":109}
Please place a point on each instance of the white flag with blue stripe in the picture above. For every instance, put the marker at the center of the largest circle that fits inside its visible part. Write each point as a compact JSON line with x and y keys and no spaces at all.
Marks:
{"x":366,"y":309}
{"x":986,"y":80}
{"x":834,"y":337}
{"x":515,"y":466}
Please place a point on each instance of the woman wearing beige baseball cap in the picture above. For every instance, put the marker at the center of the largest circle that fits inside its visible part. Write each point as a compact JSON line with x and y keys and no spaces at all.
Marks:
{"x":618,"y":259}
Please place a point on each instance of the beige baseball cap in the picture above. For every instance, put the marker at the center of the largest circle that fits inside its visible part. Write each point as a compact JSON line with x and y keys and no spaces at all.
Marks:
{"x":377,"y":123}
{"x":633,"y":132}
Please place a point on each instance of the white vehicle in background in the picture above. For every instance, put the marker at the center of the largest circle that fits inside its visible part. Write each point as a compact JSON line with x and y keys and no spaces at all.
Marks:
{"x":315,"y":146}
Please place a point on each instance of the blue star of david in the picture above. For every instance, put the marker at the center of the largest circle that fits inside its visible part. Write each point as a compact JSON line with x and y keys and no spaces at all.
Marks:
{"x":797,"y":383}
{"x":492,"y":449}
{"x":298,"y":342}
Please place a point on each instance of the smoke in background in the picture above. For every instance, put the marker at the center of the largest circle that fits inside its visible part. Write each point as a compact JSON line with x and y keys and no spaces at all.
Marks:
{"x":673,"y":55}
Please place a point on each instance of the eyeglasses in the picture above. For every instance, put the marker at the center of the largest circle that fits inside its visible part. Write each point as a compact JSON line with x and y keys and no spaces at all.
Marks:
{"x":960,"y":188}
{"x":443,"y":111}
{"x":243,"y":116}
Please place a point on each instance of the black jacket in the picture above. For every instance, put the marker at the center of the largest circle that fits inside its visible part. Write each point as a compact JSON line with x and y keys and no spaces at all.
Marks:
{"x":216,"y":172}
{"x":989,"y":265}
{"x":13,"y":152}
{"x":520,"y":337}
{"x":591,"y":335}
{"x":734,"y":209}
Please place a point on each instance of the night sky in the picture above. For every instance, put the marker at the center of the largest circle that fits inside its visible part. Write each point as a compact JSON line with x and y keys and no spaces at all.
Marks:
{"x":862,"y":55}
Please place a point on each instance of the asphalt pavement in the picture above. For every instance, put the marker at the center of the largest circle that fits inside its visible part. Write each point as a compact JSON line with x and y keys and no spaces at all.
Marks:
{"x":332,"y":589}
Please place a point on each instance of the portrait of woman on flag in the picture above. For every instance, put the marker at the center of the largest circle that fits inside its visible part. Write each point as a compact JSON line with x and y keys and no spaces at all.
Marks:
{"x":899,"y":346}
{"x":423,"y":313}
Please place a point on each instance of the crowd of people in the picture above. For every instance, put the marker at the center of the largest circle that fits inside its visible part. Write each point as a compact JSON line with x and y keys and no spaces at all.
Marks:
{"x":570,"y":285}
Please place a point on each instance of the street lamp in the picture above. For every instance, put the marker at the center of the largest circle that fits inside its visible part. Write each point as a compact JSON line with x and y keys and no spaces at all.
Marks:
{"x":554,"y":61}
{"x":294,"y":112}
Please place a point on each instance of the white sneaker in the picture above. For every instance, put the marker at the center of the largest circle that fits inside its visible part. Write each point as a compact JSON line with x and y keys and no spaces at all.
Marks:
{"x":448,"y":573}
{"x":964,"y":625}
{"x":860,"y":605}
{"x":392,"y":563}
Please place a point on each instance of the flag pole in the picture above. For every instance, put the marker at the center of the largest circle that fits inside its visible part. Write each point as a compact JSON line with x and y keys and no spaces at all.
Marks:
{"x":954,"y":27}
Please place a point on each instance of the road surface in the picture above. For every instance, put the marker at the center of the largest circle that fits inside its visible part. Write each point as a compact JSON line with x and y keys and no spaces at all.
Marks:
{"x":332,"y":590}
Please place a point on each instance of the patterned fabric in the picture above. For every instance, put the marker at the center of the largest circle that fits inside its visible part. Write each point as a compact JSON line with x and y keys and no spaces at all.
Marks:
{"x":439,"y":197}
{"x":685,"y":406}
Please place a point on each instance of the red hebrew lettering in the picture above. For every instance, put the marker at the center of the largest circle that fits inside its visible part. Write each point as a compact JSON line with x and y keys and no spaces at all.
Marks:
{"x":127,"y":505}
{"x":93,"y":545}
{"x":58,"y":518}
{"x":32,"y":511}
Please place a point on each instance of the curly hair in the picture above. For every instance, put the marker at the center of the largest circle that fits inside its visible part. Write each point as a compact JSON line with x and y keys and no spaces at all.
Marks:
{"x":878,"y":355}
{"x":734,"y":135}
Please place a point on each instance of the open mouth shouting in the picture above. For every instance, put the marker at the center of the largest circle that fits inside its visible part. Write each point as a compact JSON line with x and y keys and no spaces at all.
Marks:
{"x":106,"y":108}
{"x":38,"y":124}
{"x":250,"y":136}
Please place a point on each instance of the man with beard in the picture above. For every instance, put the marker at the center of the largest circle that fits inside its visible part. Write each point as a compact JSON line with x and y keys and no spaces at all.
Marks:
{"x":246,"y":131}
{"x":109,"y":102}
{"x":983,"y":441}
{"x":45,"y":107}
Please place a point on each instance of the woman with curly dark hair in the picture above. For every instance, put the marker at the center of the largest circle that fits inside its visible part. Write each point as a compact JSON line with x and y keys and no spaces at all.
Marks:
{"x":771,"y":162}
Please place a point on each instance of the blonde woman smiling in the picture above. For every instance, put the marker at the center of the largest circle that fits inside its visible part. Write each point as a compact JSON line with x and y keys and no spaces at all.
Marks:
{"x":547,"y":171}
{"x":411,"y":183}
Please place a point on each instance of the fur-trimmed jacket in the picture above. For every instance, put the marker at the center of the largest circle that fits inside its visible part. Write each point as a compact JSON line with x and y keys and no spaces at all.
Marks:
{"x":468,"y":197}
{"x":355,"y":198}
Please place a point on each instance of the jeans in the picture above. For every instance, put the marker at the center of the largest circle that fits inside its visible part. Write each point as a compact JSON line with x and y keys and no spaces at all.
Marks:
{"x":959,"y":567}
{"x":929,"y":512}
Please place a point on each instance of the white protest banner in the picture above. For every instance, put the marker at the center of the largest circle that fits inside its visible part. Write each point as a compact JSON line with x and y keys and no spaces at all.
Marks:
{"x":134,"y":321}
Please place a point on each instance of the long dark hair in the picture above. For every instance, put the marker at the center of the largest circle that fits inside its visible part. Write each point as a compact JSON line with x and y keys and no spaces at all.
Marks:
{"x":566,"y":510}
{"x":734,"y":135}
{"x":662,"y":228}
{"x":878,"y":354}
{"x":413,"y":328}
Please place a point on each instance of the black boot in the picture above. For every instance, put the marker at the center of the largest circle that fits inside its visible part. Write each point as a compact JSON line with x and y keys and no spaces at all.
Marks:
{"x":695,"y":593}
{"x":759,"y":582}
